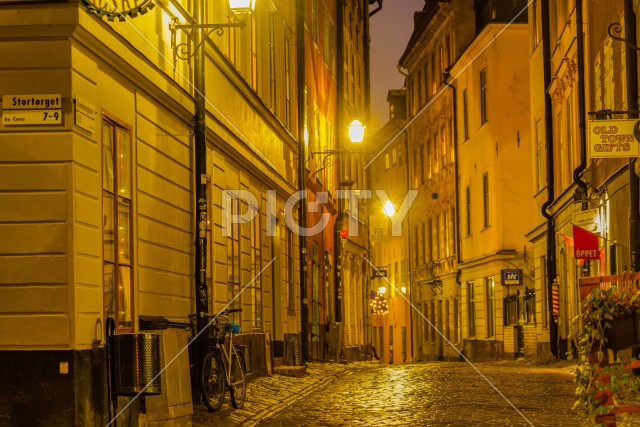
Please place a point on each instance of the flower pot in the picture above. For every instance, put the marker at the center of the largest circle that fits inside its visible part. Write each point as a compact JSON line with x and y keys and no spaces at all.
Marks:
{"x":622,"y":333}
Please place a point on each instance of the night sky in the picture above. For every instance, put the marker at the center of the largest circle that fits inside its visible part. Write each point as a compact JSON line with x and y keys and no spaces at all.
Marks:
{"x":390,"y":32}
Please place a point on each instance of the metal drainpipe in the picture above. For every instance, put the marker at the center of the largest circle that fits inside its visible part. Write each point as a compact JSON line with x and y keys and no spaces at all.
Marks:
{"x":302,"y":174}
{"x":200,"y":160}
{"x":551,"y":232}
{"x":632,"y":100}
{"x":582,"y":110}
{"x":337,"y":243}
{"x":367,"y":102}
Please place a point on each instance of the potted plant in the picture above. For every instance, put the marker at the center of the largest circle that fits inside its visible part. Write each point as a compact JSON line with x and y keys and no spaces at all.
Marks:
{"x":606,"y":322}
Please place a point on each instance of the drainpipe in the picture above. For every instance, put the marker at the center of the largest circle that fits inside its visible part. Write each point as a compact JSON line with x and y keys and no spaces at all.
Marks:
{"x":337,"y":240}
{"x":302,"y":174}
{"x":582,"y":110}
{"x":632,"y":100}
{"x":551,"y":232}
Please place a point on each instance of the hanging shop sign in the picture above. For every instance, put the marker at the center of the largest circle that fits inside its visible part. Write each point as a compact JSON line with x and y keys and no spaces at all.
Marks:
{"x":588,"y":220}
{"x":614,"y":138}
{"x":117,"y":9}
{"x":585,"y":244}
{"x":511,"y":277}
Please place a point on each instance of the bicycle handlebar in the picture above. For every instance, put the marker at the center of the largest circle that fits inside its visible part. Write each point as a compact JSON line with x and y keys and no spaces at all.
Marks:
{"x":222,"y":313}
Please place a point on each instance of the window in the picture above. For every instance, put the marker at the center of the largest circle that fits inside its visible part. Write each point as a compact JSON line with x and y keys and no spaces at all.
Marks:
{"x":569,"y":133}
{"x":421,"y":159}
{"x":314,"y":21}
{"x":233,"y":253}
{"x":465,"y":114}
{"x":429,"y":239}
{"x":471,"y":310}
{"x":272,"y":63}
{"x":416,"y":241}
{"x":447,"y":236}
{"x":325,"y":34}
{"x":423,"y":246}
{"x":443,"y":150}
{"x":256,"y":267}
{"x":287,"y":81}
{"x":253,"y":53}
{"x":434,"y":83}
{"x":289,"y":274}
{"x":540,"y":157}
{"x":485,"y":200}
{"x":468,"y":194}
{"x":536,"y":24}
{"x":483,"y":96}
{"x":394,"y":155}
{"x":436,"y":238}
{"x":116,"y":231}
{"x":544,"y":294}
{"x":386,"y":161}
{"x":429,"y":163}
{"x":490,"y":306}
{"x":452,"y":240}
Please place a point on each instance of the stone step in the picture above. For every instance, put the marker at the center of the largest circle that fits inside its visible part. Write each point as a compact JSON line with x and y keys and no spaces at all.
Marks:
{"x":291,"y":371}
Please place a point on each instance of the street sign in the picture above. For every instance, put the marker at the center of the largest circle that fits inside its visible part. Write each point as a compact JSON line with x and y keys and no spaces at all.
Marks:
{"x":344,"y":233}
{"x":378,"y":273}
{"x":85,"y":116}
{"x":30,"y":110}
{"x":512,"y":277}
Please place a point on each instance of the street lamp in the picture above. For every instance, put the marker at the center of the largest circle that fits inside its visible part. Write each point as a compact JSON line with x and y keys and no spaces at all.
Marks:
{"x":241,"y":9}
{"x":356,"y":136}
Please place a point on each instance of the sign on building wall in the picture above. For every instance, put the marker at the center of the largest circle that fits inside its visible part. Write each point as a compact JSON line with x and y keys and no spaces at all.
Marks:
{"x":614,"y":138}
{"x":585,"y":244}
{"x":512,"y":277}
{"x":32,"y":110}
{"x":85,"y":114}
{"x":589,"y":220}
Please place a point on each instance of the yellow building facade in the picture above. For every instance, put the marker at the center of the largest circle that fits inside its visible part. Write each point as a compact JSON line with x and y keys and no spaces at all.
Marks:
{"x":494,"y":179}
{"x":98,"y":217}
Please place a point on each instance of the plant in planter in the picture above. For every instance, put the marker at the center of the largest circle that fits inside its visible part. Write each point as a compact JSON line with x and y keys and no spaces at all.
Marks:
{"x":606,"y":322}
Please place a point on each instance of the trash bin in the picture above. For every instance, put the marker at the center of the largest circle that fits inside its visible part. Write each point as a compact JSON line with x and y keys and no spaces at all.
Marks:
{"x":135,"y":363}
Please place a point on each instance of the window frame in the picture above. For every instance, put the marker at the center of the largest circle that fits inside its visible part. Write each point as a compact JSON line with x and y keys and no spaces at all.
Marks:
{"x":112,"y":300}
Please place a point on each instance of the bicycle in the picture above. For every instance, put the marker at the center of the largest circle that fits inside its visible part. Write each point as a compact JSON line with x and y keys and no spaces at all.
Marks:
{"x":223,"y":365}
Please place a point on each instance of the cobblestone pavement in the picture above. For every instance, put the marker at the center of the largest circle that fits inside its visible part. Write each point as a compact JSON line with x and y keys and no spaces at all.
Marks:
{"x":431,"y":394}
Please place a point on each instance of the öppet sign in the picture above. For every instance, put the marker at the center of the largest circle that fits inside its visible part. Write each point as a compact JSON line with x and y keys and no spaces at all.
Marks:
{"x":585,"y":244}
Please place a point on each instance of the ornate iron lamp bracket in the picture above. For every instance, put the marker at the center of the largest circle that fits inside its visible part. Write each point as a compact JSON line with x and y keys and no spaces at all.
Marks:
{"x":617,"y":29}
{"x":182,"y":50}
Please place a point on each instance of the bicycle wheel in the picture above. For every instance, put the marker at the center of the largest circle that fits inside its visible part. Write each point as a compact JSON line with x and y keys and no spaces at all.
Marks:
{"x":238,"y":385}
{"x":212,"y":381}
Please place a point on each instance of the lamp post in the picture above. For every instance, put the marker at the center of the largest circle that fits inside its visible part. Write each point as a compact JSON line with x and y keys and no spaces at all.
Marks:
{"x":181,"y":51}
{"x":356,"y":135}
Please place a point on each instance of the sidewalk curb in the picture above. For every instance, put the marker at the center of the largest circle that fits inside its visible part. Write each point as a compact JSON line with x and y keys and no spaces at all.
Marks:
{"x":322,"y":382}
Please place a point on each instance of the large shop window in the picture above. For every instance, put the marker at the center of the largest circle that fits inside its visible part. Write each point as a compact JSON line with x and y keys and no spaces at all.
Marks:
{"x":116,"y":224}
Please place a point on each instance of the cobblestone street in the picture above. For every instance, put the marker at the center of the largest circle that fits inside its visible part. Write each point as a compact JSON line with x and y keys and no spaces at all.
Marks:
{"x":439,"y":394}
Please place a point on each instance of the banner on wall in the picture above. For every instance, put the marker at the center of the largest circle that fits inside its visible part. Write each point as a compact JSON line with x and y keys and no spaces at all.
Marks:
{"x":585,"y":244}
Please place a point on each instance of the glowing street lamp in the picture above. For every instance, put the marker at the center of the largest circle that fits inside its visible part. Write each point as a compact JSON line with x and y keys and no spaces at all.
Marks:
{"x":356,"y":131}
{"x":389,"y":209}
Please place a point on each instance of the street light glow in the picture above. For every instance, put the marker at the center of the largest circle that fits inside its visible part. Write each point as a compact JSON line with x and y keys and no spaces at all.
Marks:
{"x":388,"y":208}
{"x":242,"y":5}
{"x":356,"y":131}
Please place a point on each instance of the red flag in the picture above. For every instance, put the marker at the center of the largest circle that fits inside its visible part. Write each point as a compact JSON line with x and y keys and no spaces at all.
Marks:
{"x":585,"y":244}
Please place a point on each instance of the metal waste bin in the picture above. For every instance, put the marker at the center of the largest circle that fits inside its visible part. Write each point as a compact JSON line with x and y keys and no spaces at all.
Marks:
{"x":135,"y":364}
